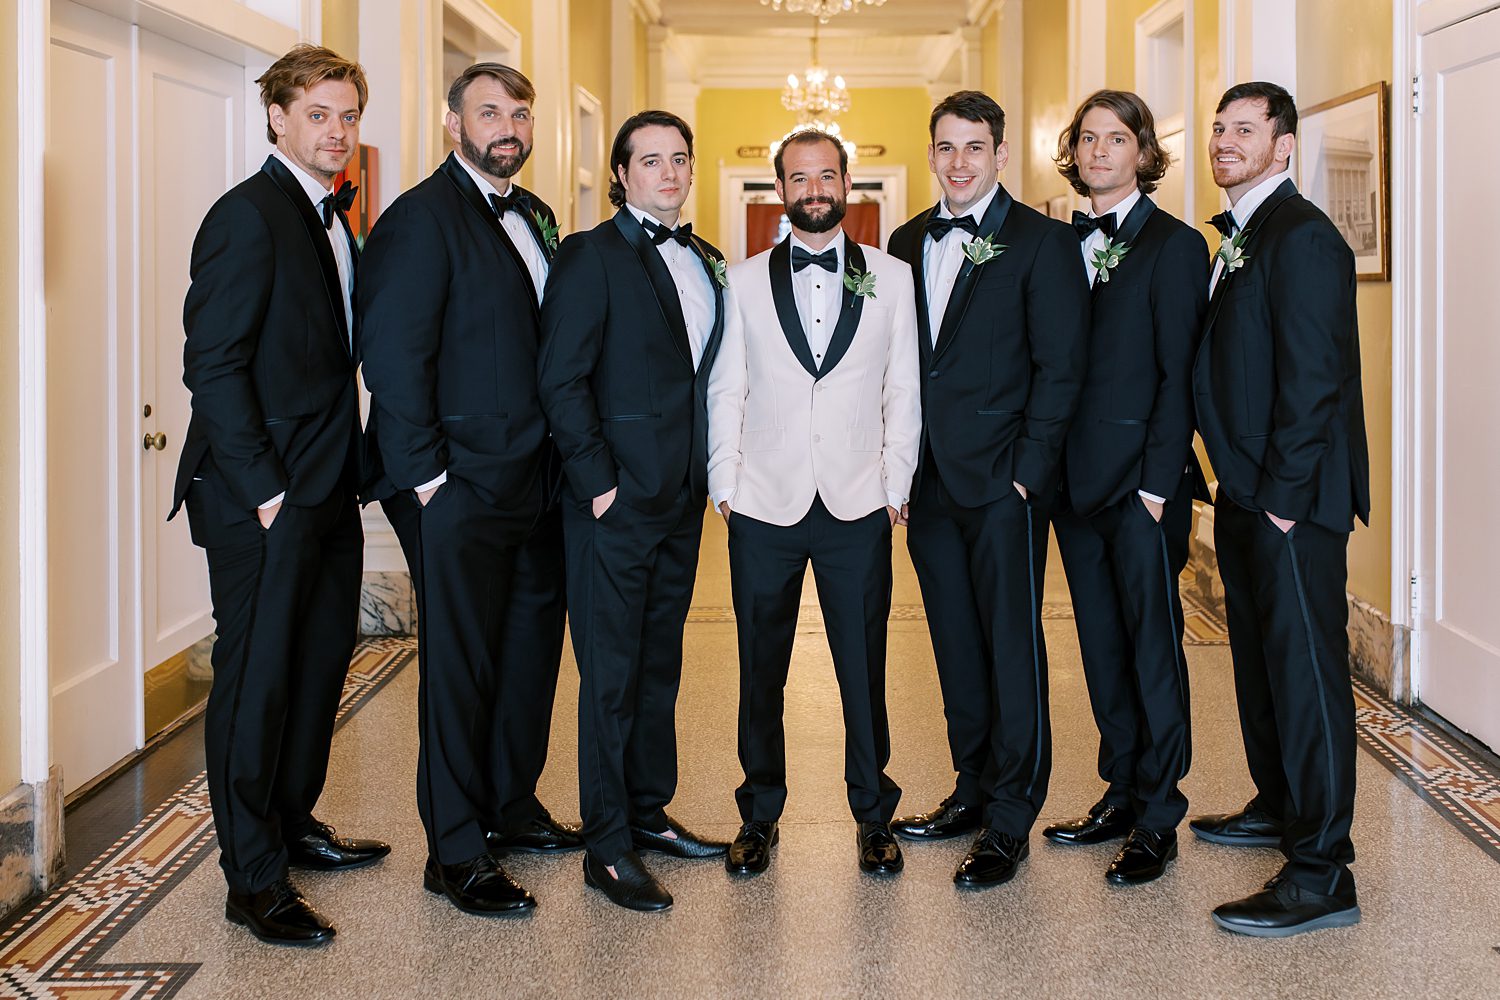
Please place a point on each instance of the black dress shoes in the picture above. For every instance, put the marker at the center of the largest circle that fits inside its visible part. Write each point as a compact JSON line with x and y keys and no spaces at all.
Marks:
{"x":992,"y":860}
{"x":950,"y":819}
{"x":278,"y":914}
{"x":324,"y":850}
{"x":1250,"y":827}
{"x":684,"y":845}
{"x":543,"y":835}
{"x":879,"y":854}
{"x":478,"y":885}
{"x":1143,"y":858}
{"x":750,"y":854}
{"x":635,"y":888}
{"x":1103,"y":823}
{"x":1284,"y":908}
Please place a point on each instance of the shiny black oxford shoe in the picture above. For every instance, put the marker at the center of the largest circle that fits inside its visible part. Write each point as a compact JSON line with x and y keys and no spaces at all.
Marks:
{"x":1104,"y":822}
{"x":542,"y":835}
{"x":992,"y":860}
{"x":1284,"y":908}
{"x":1250,"y":827}
{"x":685,"y":844}
{"x":479,"y":886}
{"x":631,"y":886}
{"x":750,"y":854}
{"x":1144,"y":858}
{"x":322,"y":849}
{"x":950,"y":819}
{"x":879,"y":854}
{"x":278,"y":914}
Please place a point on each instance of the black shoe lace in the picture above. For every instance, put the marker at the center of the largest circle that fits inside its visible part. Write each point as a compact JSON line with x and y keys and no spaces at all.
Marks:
{"x":992,"y":840}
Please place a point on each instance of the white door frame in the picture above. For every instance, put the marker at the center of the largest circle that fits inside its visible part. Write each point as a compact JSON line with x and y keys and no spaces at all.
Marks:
{"x":1147,"y":26}
{"x":732,"y":181}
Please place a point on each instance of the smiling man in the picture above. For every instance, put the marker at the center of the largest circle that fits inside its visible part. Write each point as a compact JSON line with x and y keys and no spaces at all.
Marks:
{"x":1003,"y":311}
{"x":632,"y":322}
{"x":1277,"y":386}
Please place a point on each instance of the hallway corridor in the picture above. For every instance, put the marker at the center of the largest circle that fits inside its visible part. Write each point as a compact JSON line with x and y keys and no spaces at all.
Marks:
{"x":812,"y":926}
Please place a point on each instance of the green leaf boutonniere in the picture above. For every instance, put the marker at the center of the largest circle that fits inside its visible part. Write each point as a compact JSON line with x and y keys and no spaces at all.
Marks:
{"x":1108,"y":257}
{"x":721,"y":271}
{"x":983,"y":249}
{"x":861,"y":283}
{"x":1232,"y":251}
{"x":548,"y":230}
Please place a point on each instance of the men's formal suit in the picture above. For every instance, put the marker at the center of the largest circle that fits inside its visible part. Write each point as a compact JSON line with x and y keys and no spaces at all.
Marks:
{"x":1132,"y":436}
{"x":269,"y":362}
{"x":1001,"y":373}
{"x":450,"y":318}
{"x":1277,"y":389}
{"x":814,"y":422}
{"x":624,"y":378}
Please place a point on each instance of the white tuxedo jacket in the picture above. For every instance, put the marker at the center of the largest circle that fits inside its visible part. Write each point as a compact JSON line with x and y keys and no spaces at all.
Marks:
{"x":782,"y":430}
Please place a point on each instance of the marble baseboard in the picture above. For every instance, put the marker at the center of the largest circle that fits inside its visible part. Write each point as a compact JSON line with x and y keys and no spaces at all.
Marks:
{"x":387,"y":605}
{"x":31,"y":841}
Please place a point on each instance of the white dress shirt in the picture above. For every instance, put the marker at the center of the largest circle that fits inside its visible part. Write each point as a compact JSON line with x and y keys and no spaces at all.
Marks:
{"x":941,"y":260}
{"x":694,"y":291}
{"x":1244,"y":209}
{"x":343,"y":258}
{"x":819,"y":294}
{"x":1097,"y":239}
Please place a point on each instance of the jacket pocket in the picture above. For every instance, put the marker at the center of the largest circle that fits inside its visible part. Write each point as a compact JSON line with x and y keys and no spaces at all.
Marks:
{"x":997,"y":413}
{"x":1121,"y":421}
{"x":621,"y":417}
{"x":769,"y":439}
{"x":474,"y":416}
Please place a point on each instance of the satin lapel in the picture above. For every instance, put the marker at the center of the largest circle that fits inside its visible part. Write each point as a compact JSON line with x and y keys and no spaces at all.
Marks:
{"x":471,"y":194}
{"x":924,"y":322}
{"x":963,"y":285}
{"x":786,"y":305}
{"x":354,"y":252}
{"x":1128,"y":231}
{"x":1275,"y":201}
{"x":661,"y":280}
{"x":852,"y":308}
{"x":316,"y":232}
{"x":536,"y":230}
{"x":711,"y":346}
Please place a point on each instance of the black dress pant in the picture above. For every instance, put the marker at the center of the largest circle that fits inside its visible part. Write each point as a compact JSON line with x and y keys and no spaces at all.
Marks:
{"x":630,"y":583}
{"x":488,"y":581}
{"x":851,"y":563}
{"x":286,"y":607}
{"x":981,"y":572}
{"x":1284,"y":596}
{"x":1122,"y":568}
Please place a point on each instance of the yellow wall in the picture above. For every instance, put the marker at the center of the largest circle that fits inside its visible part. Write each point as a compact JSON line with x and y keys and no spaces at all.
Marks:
{"x":589,"y":59}
{"x":892,"y":117}
{"x":1210,"y":87}
{"x":10,"y":583}
{"x":517,"y":13}
{"x":341,"y":27}
{"x":642,"y":72}
{"x":1343,"y":45}
{"x":1045,"y":110}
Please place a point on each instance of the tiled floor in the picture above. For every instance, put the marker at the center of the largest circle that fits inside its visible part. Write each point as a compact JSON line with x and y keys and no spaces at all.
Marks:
{"x":144,"y":920}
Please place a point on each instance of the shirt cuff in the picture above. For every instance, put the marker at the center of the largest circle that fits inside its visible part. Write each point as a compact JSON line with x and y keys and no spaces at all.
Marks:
{"x":1152,"y":496}
{"x":273,"y":501}
{"x":721,"y":497}
{"x":895,"y":500}
{"x":433,"y":484}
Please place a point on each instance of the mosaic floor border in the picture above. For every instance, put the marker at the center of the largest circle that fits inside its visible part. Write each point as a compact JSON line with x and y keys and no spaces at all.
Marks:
{"x":57,"y":949}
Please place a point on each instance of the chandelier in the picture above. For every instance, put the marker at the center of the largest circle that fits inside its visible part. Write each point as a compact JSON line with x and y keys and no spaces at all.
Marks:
{"x":829,"y":128}
{"x":821,"y":9}
{"x":814,"y":97}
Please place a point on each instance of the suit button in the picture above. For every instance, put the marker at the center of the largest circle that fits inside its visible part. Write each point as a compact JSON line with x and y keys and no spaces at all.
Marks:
{"x":817,"y":388}
{"x":817,"y":438}
{"x":933,"y":374}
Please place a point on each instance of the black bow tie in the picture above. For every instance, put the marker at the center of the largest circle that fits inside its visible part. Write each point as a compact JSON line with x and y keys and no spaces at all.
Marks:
{"x":828,"y":260}
{"x":660,"y":234}
{"x":1225,"y":224}
{"x":937,"y":227}
{"x":341,"y":199}
{"x":1084,"y":224}
{"x":511,"y":201}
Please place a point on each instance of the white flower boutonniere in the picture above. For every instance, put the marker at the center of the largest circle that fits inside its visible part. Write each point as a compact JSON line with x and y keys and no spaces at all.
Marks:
{"x":548,"y":230}
{"x":1108,"y":257}
{"x":1232,"y":251}
{"x":721,"y":271}
{"x":983,"y":249}
{"x":861,"y":283}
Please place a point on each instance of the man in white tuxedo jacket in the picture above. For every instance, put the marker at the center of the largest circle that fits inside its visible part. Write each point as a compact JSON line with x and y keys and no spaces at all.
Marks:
{"x":813,"y":425}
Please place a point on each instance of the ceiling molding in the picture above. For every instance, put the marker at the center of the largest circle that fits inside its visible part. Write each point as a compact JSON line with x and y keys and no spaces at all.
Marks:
{"x":647,"y":10}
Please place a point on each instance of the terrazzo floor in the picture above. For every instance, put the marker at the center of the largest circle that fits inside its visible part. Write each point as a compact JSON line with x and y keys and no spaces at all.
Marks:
{"x":813,"y":926}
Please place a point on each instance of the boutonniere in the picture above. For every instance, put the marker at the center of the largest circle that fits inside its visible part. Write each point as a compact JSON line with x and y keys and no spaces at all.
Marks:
{"x":1232,"y":251}
{"x":861,"y":283}
{"x":548,"y":230}
{"x":721,"y":271}
{"x":983,"y":249}
{"x":1108,"y":257}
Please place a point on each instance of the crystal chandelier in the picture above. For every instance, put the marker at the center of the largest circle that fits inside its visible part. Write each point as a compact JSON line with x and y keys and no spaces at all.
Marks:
{"x":814,"y":97}
{"x":821,"y":9}
{"x":830,"y":128}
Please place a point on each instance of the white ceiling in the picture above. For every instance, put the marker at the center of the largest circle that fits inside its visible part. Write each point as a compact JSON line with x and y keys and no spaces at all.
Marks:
{"x":749,"y":17}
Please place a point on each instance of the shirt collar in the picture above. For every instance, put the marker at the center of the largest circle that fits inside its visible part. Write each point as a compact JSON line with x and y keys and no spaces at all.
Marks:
{"x":1122,"y":210}
{"x":977,"y":211}
{"x":836,"y":244}
{"x":643,"y":217}
{"x":1257,"y":196}
{"x":314,"y":188}
{"x":485,"y":185}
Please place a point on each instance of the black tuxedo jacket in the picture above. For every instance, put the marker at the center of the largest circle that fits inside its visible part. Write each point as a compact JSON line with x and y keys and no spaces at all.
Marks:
{"x":1277,"y":380}
{"x":1001,"y":385}
{"x":449,"y":330}
{"x":1134,"y":427}
{"x":268,"y":358}
{"x":616,"y":374}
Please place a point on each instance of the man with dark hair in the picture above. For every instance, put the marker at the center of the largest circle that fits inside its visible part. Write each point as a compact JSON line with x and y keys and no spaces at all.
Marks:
{"x":270,"y":475}
{"x":825,"y":484}
{"x":1129,"y":473}
{"x":1002,"y":308}
{"x":450,"y":305}
{"x":632,"y":321}
{"x":1277,"y":386}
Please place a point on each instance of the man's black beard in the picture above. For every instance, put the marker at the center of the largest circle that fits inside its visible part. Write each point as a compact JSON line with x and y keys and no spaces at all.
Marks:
{"x":494,"y":164}
{"x":798,"y":215}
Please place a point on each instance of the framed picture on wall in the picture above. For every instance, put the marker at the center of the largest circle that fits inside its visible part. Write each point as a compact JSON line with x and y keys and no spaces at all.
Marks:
{"x":1342,"y":162}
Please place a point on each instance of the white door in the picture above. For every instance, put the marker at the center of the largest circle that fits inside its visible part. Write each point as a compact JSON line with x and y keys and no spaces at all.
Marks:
{"x":1458,"y":549}
{"x":93,"y":444}
{"x":191,"y":108}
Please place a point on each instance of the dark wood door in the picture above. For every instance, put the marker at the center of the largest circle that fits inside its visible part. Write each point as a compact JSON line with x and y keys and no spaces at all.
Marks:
{"x":763,"y":225}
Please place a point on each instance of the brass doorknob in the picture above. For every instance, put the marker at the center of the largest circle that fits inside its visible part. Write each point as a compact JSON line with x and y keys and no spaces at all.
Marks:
{"x":157,"y":441}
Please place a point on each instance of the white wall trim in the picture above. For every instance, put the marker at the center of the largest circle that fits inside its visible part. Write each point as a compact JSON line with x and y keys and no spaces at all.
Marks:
{"x":1088,"y":41}
{"x":1405,"y":312}
{"x":1255,"y":42}
{"x":490,"y":24}
{"x":223,"y":28}
{"x":1147,"y":26}
{"x":552,"y":75}
{"x":732,"y":181}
